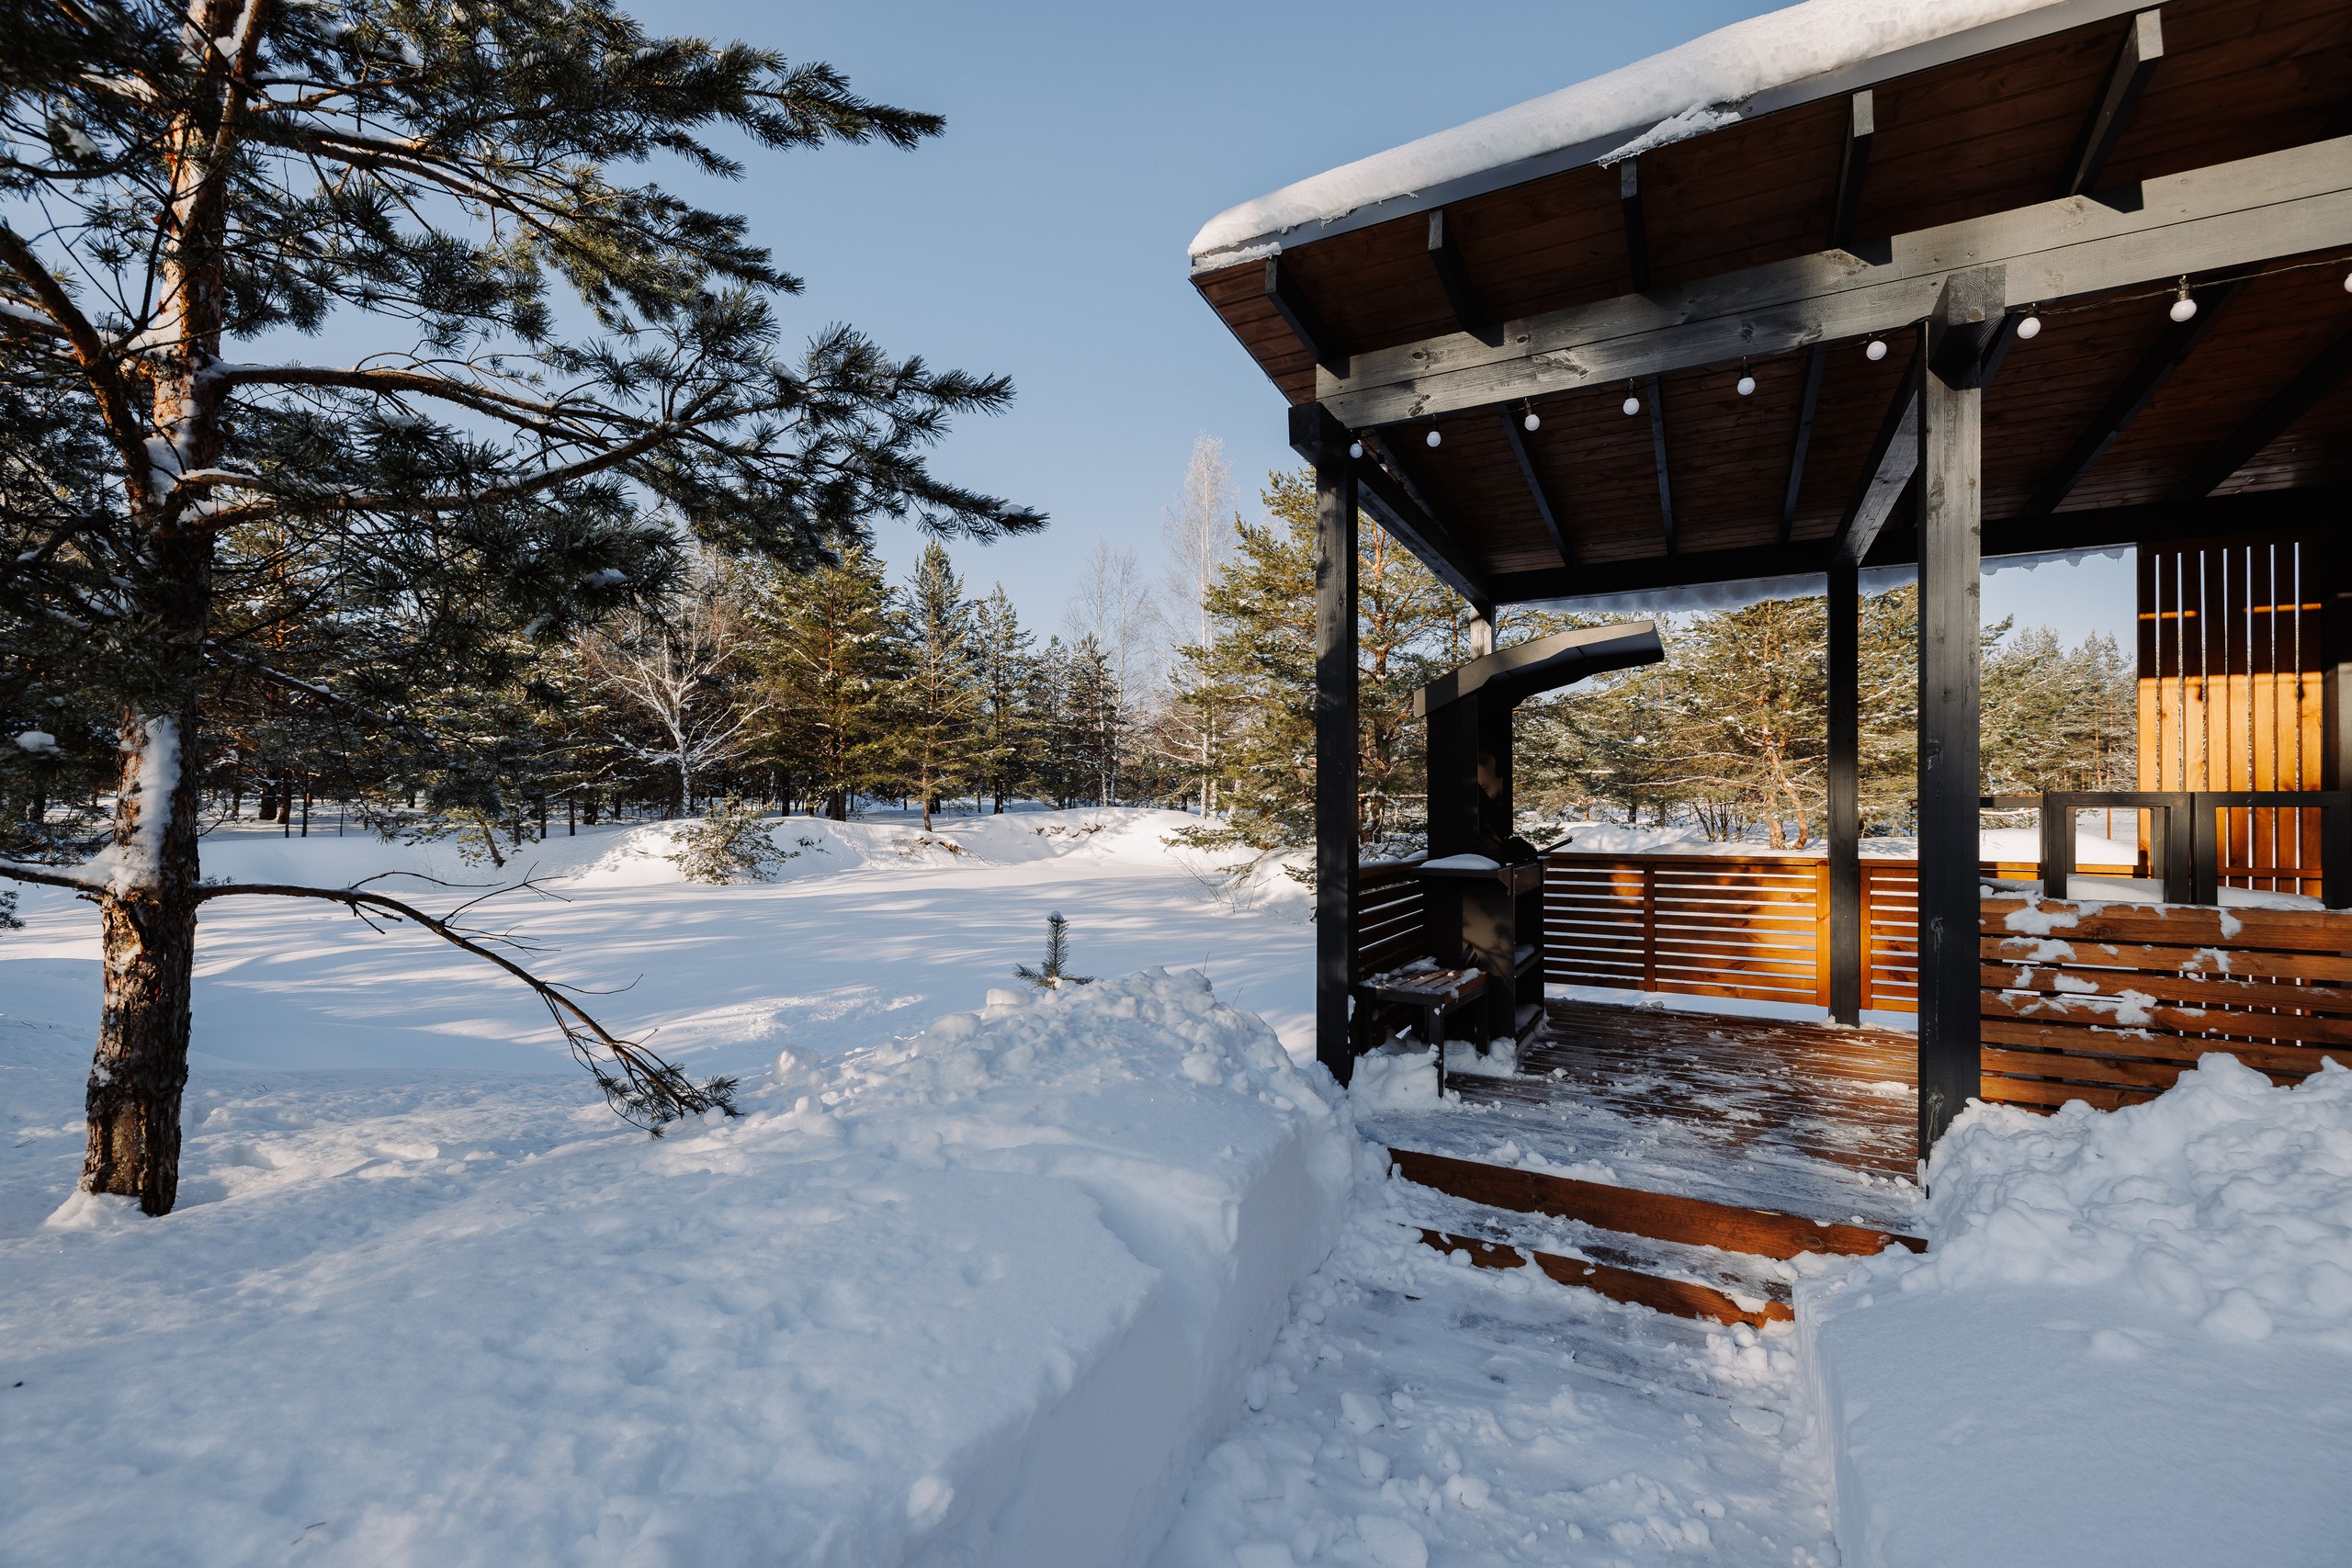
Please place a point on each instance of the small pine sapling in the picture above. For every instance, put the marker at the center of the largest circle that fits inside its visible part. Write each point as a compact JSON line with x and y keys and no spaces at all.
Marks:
{"x":1048,"y":976}
{"x":733,"y":841}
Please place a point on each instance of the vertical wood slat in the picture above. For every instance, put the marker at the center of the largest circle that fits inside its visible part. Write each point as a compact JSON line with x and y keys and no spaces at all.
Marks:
{"x":1650,"y":928}
{"x":1824,"y":960}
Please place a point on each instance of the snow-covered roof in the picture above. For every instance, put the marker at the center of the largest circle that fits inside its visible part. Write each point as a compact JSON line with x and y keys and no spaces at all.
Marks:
{"x":1788,"y":56}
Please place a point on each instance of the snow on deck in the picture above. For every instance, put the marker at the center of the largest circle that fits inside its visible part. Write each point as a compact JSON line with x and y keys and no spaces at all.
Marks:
{"x":1684,"y":91}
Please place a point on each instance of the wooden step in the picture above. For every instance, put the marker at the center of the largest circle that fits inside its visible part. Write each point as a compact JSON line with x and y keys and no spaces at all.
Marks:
{"x":1697,"y":1221}
{"x":1679,"y":1298}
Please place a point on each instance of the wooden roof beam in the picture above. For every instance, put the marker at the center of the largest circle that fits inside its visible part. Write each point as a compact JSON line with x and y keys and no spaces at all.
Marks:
{"x":1895,"y":458}
{"x":1862,"y":126}
{"x":1535,"y":486}
{"x":2268,"y":422}
{"x":1398,"y":499}
{"x":2277,"y":204}
{"x":2130,"y":397}
{"x":1446,"y":258}
{"x":1658,"y":449}
{"x":1788,"y":567}
{"x":2135,"y":62}
{"x":1637,"y":236}
{"x":1304,"y":322}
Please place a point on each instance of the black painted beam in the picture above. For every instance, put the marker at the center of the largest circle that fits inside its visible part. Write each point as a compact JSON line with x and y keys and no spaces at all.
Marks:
{"x":2131,"y":396}
{"x":1637,"y":237}
{"x":2260,"y":513}
{"x":1845,"y":824}
{"x":1305,"y":322}
{"x":2268,"y":422}
{"x":1398,"y":499}
{"x":1862,"y":126}
{"x":1895,"y":458}
{"x":1460,"y":293}
{"x":1658,"y":450}
{"x":2111,"y":113}
{"x":1536,"y":489}
{"x":1336,"y":719}
{"x":1951,"y":439}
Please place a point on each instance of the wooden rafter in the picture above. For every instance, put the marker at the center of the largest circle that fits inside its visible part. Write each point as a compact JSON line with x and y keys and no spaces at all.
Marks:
{"x":2131,"y":396}
{"x":2135,"y":62}
{"x":2277,"y":204}
{"x":1861,"y":127}
{"x":1445,"y":255}
{"x":1305,"y":322}
{"x":2268,"y":422}
{"x":1637,"y":234}
{"x":1536,"y":489}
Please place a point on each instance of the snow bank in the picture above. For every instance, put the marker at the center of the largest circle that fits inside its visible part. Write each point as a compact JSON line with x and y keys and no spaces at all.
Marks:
{"x":1684,"y":91}
{"x":2130,"y":1342}
{"x":980,"y":1296}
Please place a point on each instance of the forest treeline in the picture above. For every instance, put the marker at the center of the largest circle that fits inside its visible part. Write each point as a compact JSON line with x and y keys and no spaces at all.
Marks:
{"x":821,"y":690}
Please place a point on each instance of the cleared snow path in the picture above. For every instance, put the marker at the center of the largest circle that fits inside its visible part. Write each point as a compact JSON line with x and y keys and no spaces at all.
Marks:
{"x":1419,"y":1411}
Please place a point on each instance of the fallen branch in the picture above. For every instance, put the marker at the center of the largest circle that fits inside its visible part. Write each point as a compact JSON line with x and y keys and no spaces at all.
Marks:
{"x":642,"y":1089}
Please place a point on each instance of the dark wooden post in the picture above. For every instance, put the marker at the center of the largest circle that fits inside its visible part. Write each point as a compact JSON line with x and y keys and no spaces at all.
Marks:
{"x":1951,"y":422}
{"x":1316,"y":435}
{"x":1845,"y":610}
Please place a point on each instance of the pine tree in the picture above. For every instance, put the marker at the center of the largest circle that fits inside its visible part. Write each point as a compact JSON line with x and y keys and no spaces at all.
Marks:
{"x":939,"y":699}
{"x":462,"y":477}
{"x":1004,"y":667}
{"x":1258,"y":667}
{"x":1094,"y":709}
{"x":826,"y":650}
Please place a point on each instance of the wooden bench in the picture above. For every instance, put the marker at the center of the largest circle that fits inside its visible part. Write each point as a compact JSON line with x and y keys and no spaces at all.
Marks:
{"x":1435,"y":993}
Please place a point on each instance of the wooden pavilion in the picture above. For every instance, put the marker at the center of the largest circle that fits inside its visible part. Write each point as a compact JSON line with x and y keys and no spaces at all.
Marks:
{"x":1919,"y":305}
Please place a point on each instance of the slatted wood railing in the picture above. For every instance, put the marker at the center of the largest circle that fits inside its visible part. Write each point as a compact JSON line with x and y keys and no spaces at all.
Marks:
{"x":1756,"y":929}
{"x":2108,"y":1004}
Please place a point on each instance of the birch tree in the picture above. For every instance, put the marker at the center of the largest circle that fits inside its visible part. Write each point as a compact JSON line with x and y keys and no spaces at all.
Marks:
{"x":549,"y":348}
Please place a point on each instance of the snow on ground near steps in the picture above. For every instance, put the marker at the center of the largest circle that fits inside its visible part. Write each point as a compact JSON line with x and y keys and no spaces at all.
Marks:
{"x":982,"y":1296}
{"x":1419,"y":1413}
{"x":2131,"y":1343}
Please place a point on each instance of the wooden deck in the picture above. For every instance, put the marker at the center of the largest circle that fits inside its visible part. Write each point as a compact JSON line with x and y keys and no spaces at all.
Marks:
{"x":1676,"y":1159}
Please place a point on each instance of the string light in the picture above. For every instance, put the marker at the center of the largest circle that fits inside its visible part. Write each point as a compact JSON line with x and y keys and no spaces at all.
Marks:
{"x":1875,"y":350}
{"x":1746,"y":380}
{"x":2030,"y":328}
{"x":1435,"y":439}
{"x":1356,"y":449}
{"x":2184,"y":308}
{"x":1532,"y":420}
{"x":2347,"y":283}
{"x":1633,"y":404}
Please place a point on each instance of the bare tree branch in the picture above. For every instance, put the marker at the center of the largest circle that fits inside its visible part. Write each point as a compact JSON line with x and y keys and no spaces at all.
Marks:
{"x":642,"y":1087}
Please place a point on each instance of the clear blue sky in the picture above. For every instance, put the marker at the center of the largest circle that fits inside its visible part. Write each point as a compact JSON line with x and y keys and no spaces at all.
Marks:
{"x":1044,"y":234}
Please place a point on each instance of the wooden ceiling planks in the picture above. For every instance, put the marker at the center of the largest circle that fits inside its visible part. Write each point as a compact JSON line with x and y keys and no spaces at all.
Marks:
{"x":2238,"y":77}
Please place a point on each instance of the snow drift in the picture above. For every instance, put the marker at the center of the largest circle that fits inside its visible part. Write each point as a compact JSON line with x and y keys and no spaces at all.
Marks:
{"x":2130,"y":1342}
{"x":980,"y":1296}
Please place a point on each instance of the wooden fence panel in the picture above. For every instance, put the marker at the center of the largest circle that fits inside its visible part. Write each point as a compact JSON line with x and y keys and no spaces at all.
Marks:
{"x":1391,"y":930}
{"x":1694,"y":925}
{"x":2108,"y":1004}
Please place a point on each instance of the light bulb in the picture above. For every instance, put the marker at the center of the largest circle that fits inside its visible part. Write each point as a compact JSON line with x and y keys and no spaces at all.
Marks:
{"x":2030,"y":328}
{"x":2347,"y":283}
{"x":1356,"y":449}
{"x":1876,"y":350}
{"x":2183,"y":309}
{"x":1531,"y":422}
{"x":1633,"y":405}
{"x":1435,"y":438}
{"x":1747,"y":385}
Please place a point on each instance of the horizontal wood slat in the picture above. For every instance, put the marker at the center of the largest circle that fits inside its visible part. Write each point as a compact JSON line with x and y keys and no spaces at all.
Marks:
{"x":2111,"y":1003}
{"x":1681,"y":1298}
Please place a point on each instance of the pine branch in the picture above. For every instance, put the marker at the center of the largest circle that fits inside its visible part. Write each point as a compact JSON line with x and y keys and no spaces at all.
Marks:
{"x":642,"y":1089}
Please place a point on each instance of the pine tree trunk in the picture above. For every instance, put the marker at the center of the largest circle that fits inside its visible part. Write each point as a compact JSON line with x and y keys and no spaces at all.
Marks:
{"x":149,"y":926}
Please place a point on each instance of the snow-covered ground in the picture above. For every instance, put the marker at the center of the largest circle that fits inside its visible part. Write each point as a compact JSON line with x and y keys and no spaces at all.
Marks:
{"x":2131,"y":1344}
{"x":1024,"y":1279}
